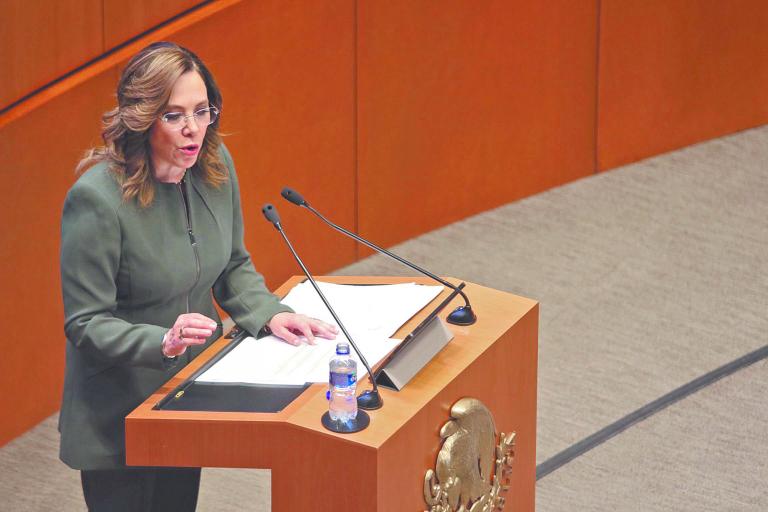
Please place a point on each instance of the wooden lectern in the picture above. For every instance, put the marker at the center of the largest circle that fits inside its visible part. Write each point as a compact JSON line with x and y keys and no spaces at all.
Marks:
{"x":381,"y":468}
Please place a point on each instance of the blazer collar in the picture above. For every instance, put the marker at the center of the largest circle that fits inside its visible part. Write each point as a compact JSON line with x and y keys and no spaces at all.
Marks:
{"x":201,"y":189}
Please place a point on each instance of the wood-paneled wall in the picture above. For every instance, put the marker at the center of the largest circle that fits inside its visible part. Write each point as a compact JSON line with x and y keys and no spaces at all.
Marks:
{"x":123,"y":20}
{"x":464,"y":106}
{"x":675,"y":72}
{"x":41,"y":41}
{"x":392,"y":117}
{"x":39,"y":152}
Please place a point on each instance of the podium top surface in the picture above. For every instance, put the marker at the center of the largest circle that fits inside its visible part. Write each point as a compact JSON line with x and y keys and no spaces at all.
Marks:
{"x":497,"y":312}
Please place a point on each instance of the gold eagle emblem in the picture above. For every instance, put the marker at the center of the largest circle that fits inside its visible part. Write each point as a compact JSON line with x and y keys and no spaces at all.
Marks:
{"x":472,"y":469}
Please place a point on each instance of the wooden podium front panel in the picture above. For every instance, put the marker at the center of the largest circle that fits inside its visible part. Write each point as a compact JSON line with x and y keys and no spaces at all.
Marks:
{"x":504,"y":379}
{"x":383,"y":467}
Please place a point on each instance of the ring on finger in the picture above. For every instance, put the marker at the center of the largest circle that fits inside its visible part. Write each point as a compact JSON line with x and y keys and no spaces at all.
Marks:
{"x":181,"y":332}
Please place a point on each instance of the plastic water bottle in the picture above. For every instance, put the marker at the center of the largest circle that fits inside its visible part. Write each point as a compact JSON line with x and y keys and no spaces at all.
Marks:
{"x":342,"y":405}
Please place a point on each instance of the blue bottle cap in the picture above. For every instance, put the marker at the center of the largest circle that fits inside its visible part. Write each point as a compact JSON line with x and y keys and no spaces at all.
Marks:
{"x":342,"y":348}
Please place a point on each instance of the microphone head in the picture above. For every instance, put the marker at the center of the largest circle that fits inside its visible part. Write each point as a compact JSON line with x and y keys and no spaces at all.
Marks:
{"x":291,"y":195}
{"x":270,"y":212}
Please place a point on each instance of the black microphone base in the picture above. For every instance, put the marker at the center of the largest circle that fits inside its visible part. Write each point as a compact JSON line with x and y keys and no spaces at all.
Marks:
{"x":462,"y":315}
{"x":370,"y":400}
{"x":361,"y":421}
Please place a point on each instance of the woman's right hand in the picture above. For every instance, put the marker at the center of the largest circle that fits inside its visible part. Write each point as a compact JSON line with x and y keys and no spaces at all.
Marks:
{"x":189,"y":329}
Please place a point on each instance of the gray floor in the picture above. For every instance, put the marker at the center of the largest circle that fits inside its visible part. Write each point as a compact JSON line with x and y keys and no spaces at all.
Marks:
{"x":649,"y":276}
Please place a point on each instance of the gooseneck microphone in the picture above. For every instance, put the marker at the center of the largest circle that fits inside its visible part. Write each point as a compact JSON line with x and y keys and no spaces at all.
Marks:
{"x":370,"y":399}
{"x":462,"y":315}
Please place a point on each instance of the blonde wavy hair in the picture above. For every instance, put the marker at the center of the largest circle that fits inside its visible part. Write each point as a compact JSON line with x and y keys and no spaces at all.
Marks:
{"x":142,"y":95}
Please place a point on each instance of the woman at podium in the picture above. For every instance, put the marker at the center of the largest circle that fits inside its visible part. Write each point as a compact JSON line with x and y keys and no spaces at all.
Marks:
{"x":151,"y":234}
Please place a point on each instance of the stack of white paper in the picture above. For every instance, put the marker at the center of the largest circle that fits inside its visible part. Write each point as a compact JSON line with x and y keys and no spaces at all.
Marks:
{"x":371,"y":314}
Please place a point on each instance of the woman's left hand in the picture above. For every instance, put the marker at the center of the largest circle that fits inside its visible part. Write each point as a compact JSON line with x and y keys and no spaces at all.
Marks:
{"x":291,"y":327}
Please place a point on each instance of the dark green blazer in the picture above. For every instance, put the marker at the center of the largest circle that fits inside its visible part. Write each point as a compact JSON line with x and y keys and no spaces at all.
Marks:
{"x":127,"y":273}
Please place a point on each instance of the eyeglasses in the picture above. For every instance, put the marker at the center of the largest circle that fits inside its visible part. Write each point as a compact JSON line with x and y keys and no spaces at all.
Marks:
{"x":202,"y":117}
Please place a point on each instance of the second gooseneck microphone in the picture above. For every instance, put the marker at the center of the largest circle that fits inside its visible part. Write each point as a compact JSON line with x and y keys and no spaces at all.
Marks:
{"x":462,"y":315}
{"x":368,"y":400}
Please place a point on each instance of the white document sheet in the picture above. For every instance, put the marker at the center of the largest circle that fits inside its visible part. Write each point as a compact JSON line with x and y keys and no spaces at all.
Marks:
{"x":364,"y":309}
{"x":371,"y":314}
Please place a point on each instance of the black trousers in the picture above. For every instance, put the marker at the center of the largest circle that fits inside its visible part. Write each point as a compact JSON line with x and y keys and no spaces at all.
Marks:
{"x":141,"y":489}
